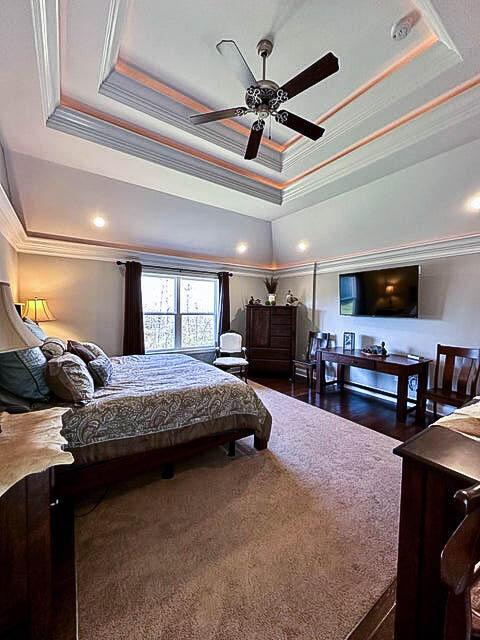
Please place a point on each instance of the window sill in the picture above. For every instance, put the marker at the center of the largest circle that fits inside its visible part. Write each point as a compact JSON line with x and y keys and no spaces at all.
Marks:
{"x":185,"y":351}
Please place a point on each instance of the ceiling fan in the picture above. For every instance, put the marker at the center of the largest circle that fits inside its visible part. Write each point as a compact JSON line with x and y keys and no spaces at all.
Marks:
{"x":265,"y":97}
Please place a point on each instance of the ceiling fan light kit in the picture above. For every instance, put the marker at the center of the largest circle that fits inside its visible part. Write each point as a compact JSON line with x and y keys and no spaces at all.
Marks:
{"x":264,"y":97}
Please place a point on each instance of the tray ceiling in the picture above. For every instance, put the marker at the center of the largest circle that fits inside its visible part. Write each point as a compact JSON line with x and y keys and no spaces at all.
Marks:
{"x":107,"y":86}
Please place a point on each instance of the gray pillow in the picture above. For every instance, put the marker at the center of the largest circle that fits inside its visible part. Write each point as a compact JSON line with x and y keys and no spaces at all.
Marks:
{"x":101,"y":369}
{"x":23,"y":373}
{"x":35,"y":329}
{"x":95,"y":349}
{"x":69,"y":379}
{"x":53,"y":347}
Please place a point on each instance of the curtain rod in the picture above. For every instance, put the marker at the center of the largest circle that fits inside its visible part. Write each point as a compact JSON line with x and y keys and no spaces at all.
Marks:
{"x":178,"y":269}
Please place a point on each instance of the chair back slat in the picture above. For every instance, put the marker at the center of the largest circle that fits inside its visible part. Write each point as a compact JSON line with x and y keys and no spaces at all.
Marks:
{"x":317,"y":340}
{"x":462,"y":378}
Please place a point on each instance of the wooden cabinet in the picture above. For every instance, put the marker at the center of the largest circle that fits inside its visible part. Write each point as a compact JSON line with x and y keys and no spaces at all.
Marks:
{"x":271,"y":333}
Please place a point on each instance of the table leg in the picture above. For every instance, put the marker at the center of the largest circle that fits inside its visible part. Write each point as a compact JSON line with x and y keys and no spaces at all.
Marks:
{"x":421,"y":399}
{"x":341,"y":376}
{"x":402,"y":398}
{"x":320,"y":383}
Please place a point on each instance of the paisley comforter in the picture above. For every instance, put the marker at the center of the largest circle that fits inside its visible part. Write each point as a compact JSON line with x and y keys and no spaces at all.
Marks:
{"x":161,"y":400}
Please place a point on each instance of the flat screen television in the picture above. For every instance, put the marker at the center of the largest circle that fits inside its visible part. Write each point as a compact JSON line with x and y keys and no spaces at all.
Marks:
{"x":387,"y":293}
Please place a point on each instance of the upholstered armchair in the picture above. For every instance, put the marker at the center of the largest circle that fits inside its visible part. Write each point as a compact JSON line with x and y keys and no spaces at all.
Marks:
{"x":231,"y":355}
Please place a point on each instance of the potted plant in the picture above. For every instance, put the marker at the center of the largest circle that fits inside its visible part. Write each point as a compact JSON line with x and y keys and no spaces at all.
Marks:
{"x":271,"y":285}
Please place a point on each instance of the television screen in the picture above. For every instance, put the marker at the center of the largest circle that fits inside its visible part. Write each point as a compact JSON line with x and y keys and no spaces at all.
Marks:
{"x":381,"y":293}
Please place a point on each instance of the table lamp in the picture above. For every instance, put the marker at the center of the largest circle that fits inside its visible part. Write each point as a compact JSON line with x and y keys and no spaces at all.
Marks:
{"x":37,"y":310}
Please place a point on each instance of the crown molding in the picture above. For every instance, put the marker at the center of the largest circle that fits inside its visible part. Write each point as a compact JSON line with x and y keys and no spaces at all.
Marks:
{"x":415,"y":252}
{"x":117,"y":13}
{"x":136,"y":95}
{"x":427,"y":9}
{"x":45,"y":21}
{"x":432,"y":122}
{"x":89,"y":127}
{"x":10,"y":225}
{"x":433,"y":61}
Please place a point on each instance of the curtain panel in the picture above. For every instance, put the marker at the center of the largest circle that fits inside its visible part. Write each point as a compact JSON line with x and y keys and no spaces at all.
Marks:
{"x":224,"y":302}
{"x":133,"y":336}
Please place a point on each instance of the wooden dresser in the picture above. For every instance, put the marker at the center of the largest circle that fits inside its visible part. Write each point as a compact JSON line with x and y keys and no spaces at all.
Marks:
{"x":270,"y":339}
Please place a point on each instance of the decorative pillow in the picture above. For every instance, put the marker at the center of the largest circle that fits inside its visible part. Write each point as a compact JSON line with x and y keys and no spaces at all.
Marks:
{"x":69,"y":379}
{"x":101,"y":369}
{"x":95,"y":349}
{"x":12,"y":403}
{"x":23,"y":373}
{"x":80,"y":350}
{"x":35,"y":329}
{"x":53,"y":347}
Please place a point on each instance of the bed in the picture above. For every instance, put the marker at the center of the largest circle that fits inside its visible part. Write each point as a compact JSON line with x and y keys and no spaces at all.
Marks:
{"x":156,"y":410}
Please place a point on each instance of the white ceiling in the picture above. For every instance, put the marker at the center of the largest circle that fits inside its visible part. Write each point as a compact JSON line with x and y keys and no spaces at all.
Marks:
{"x":174,"y":43}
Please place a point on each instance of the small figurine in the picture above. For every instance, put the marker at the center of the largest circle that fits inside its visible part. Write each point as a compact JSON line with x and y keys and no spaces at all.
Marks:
{"x":251,"y":301}
{"x":290,"y":299}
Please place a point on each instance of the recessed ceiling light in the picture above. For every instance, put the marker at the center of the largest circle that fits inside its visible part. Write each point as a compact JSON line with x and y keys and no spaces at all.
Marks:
{"x":99,"y":222}
{"x":242,"y":247}
{"x":474,"y":203}
{"x":302,"y":245}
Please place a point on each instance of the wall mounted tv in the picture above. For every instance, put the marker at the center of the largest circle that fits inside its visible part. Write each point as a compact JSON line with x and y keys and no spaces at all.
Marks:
{"x":385,"y":293}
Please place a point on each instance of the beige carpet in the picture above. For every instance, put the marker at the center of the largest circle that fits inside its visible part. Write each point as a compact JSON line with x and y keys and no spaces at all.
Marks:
{"x":297,"y":542}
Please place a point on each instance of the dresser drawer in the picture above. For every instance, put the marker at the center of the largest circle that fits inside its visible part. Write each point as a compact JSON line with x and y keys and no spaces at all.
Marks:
{"x":268,"y":354}
{"x":280,"y":330}
{"x":280,"y":342}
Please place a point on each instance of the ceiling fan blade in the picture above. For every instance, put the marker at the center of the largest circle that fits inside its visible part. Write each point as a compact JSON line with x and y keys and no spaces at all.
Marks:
{"x":315,"y":73}
{"x":201,"y":118}
{"x":254,"y":139}
{"x":300,"y":125}
{"x":234,"y":58}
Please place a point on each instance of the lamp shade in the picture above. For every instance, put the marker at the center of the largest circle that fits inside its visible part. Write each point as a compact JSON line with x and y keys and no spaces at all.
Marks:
{"x":14,"y":334}
{"x":37,"y":310}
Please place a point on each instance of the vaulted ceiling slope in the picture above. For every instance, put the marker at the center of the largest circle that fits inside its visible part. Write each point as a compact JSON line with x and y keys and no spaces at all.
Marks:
{"x":99,"y":92}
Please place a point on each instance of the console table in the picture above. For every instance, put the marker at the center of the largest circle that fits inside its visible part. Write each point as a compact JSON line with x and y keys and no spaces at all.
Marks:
{"x":399,"y":366}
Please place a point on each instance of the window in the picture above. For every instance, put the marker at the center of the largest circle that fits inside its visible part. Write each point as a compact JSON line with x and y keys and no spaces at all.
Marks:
{"x":179,"y":312}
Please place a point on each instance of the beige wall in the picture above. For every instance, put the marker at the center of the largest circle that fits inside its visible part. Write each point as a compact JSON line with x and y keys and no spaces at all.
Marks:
{"x":86,"y":297}
{"x":8,"y":265}
{"x":449,"y":310}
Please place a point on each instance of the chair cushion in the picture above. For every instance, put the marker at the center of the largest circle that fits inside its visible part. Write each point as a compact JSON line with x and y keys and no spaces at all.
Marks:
{"x":230,"y":342}
{"x":226,"y":361}
{"x":23,"y":373}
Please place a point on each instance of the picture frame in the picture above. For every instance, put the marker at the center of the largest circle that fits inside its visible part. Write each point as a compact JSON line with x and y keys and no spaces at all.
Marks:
{"x":348,"y":341}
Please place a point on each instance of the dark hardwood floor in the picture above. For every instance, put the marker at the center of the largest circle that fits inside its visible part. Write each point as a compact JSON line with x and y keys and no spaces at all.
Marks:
{"x":371,"y":412}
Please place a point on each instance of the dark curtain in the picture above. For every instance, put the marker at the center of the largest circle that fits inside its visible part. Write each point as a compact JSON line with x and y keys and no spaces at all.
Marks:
{"x":224,"y":302}
{"x":133,"y":338}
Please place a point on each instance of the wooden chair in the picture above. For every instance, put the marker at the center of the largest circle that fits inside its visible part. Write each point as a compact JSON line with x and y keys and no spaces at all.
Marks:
{"x":316,"y":340}
{"x":460,"y":570}
{"x":455,"y":386}
{"x":235,"y":358}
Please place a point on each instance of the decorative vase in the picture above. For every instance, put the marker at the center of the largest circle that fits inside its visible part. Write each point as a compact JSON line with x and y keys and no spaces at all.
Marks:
{"x":272,"y":298}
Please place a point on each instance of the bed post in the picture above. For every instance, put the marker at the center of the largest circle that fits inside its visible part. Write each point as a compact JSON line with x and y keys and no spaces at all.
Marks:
{"x":259,"y":443}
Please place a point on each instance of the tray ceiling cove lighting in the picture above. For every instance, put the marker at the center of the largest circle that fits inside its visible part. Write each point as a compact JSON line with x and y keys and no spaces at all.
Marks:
{"x":14,"y":334}
{"x":37,"y":310}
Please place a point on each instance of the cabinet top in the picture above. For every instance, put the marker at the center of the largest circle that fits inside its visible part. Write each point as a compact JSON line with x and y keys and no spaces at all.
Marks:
{"x":270,"y":306}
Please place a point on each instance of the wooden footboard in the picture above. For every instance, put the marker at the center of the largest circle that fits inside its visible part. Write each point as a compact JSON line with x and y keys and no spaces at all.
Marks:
{"x":76,"y":480}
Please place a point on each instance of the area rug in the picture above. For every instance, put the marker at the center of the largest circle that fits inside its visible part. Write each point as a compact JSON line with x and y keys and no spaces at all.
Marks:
{"x":294,"y":543}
